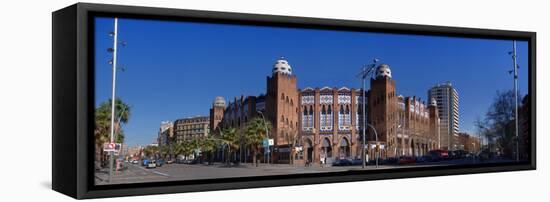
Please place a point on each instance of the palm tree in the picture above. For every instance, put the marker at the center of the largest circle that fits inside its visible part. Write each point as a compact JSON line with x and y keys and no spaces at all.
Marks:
{"x":230,"y":137}
{"x":101,"y":131}
{"x":150,"y":151}
{"x":208,"y":145}
{"x":164,"y":151}
{"x":184,"y":148}
{"x":103,"y":125}
{"x":254,"y":135}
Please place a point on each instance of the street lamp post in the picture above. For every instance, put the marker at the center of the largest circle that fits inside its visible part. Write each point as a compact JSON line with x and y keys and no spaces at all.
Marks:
{"x":266,"y":135}
{"x":376,"y":136}
{"x":365,"y":72}
{"x":514,"y":58}
{"x":112,"y":137}
{"x":474,"y":149}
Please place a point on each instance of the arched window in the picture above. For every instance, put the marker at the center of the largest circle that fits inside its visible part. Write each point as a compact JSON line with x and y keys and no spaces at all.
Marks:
{"x":283,"y":96}
{"x":326,"y":118}
{"x":326,"y":148}
{"x":344,"y":148}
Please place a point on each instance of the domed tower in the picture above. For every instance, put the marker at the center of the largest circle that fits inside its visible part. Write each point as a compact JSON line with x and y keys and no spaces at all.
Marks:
{"x":219,"y":102}
{"x":216,"y":112}
{"x":383,"y":71}
{"x":282,"y":66}
{"x":281,"y":106}
{"x":382,"y":108}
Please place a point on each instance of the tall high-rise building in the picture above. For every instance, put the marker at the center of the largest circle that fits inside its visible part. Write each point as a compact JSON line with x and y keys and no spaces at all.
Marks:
{"x":446,"y":98}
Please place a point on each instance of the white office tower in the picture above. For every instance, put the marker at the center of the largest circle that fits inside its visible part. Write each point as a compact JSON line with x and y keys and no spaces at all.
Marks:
{"x":446,"y":98}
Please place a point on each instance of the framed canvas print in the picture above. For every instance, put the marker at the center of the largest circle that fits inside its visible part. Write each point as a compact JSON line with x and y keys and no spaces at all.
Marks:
{"x":155,"y":100}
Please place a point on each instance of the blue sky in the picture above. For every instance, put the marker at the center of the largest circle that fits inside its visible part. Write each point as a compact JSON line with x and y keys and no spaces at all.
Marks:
{"x":175,"y":69}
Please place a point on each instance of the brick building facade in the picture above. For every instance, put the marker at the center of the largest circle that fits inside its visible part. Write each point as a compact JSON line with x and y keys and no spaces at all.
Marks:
{"x":320,"y":125}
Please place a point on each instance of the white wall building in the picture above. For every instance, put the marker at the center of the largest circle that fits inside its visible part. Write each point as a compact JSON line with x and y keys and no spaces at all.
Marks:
{"x":446,"y":98}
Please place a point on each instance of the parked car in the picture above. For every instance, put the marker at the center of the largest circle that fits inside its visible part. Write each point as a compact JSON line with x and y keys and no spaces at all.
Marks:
{"x":357,"y":162}
{"x":187,"y":161}
{"x":135,"y":162}
{"x":145,"y":162}
{"x":342,"y":162}
{"x":169,"y":161}
{"x":406,"y":160}
{"x":457,"y":154}
{"x":159,"y":162}
{"x":390,"y":161}
{"x":424,"y":159}
{"x":151,"y":164}
{"x":439,"y":154}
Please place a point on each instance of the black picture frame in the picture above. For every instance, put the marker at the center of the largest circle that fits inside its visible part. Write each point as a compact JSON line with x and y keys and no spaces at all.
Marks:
{"x":73,"y":105}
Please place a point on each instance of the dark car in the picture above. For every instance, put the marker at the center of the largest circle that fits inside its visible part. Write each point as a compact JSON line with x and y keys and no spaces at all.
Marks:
{"x":424,"y":159}
{"x":357,"y":162}
{"x":458,"y":154}
{"x":438,"y":154}
{"x":390,"y":161}
{"x":342,"y":162}
{"x":407,"y":160}
{"x":187,"y":161}
{"x":159,"y":162}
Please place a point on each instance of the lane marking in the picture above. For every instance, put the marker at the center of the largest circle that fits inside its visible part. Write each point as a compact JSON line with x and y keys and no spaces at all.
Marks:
{"x":152,"y":171}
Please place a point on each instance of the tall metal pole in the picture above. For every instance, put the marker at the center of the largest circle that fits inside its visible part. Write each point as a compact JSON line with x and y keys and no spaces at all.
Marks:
{"x":514,"y":56}
{"x":112,"y":140}
{"x":375,"y":148}
{"x":364,"y":116}
{"x":266,"y":135}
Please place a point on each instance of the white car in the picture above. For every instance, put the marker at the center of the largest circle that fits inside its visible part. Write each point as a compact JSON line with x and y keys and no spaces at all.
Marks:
{"x":135,"y":161}
{"x":151,"y":165}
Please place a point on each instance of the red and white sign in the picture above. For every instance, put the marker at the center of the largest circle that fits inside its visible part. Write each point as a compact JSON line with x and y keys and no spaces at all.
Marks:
{"x":110,"y":147}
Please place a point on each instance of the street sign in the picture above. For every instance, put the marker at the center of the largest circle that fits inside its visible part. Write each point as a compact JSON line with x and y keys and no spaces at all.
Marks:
{"x":111,"y":147}
{"x":270,"y":142}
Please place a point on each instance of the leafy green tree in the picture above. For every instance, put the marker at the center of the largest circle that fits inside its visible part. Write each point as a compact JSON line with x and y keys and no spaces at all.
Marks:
{"x":255,"y":133}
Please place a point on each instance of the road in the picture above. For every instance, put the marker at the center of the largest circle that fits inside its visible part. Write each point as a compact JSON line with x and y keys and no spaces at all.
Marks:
{"x":134,"y":173}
